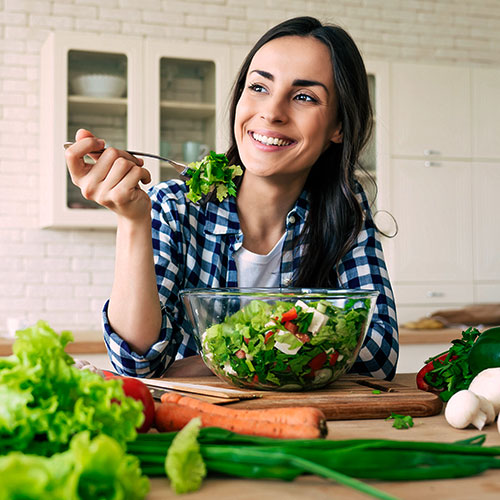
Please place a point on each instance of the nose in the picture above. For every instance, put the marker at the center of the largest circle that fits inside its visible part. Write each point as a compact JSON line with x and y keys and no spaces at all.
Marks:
{"x":274,"y":109}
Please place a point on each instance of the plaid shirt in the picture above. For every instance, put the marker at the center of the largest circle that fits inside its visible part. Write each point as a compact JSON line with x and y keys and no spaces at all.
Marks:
{"x":194,"y":246}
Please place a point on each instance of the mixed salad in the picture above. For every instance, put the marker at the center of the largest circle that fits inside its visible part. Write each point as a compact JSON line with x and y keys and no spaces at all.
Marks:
{"x":286,"y":345}
{"x":212,"y":173}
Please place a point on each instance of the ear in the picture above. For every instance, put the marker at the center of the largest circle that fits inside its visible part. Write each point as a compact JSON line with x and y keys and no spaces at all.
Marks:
{"x":337,"y":135}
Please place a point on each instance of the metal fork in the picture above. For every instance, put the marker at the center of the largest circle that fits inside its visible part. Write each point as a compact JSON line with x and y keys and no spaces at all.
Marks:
{"x":180,"y":167}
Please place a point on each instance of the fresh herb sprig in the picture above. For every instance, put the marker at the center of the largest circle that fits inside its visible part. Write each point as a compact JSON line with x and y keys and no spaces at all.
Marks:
{"x":453,"y":373}
{"x":401,"y":421}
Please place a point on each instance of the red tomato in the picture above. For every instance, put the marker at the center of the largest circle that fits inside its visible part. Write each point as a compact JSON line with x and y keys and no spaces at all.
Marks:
{"x":318,"y":361}
{"x":289,"y":315}
{"x":269,"y":334}
{"x":332,"y":359}
{"x":136,"y":389}
{"x":291,"y":327}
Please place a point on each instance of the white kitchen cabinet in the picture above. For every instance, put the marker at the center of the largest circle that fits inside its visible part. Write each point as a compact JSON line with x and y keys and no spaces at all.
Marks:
{"x":486,"y":228}
{"x":430,"y":110}
{"x":485,"y":113}
{"x":174,"y":93}
{"x":432,"y":205}
{"x":445,"y":178}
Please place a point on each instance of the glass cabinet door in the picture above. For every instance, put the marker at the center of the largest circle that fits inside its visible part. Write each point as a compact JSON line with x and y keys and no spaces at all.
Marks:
{"x":186,"y":93}
{"x":97,"y":101}
{"x":187,"y":111}
{"x":87,"y":81}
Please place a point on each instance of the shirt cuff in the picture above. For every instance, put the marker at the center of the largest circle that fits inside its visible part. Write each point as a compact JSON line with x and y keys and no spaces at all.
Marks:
{"x":127,"y":362}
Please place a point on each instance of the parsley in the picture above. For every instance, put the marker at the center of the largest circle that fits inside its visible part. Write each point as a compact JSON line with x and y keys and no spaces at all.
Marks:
{"x":453,"y":373}
{"x":376,"y":391}
{"x":401,"y":421}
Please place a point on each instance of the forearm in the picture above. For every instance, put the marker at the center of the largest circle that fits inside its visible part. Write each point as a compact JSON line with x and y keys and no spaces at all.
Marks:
{"x":134,"y":310}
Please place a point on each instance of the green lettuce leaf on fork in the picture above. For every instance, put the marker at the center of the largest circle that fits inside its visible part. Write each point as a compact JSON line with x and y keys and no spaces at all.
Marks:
{"x":212,"y":173}
{"x":45,"y":400}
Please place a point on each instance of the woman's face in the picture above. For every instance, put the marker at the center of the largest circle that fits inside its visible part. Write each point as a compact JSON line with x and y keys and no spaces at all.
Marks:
{"x":287,"y":113}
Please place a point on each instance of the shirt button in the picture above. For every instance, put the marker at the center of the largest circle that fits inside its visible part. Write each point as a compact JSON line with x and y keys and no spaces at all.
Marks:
{"x":291,"y":219}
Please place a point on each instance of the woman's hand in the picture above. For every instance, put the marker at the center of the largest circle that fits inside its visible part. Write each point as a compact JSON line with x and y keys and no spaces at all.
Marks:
{"x":113,"y":181}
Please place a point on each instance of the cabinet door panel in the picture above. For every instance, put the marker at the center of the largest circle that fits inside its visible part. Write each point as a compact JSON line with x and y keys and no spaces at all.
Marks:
{"x":430,"y":109}
{"x":433,"y":210}
{"x":485,"y":112}
{"x":486,"y":189}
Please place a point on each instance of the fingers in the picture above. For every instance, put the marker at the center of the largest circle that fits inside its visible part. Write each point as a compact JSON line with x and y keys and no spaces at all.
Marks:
{"x":125,"y":180}
{"x":82,"y":133}
{"x":75,"y":156}
{"x":86,"y":172}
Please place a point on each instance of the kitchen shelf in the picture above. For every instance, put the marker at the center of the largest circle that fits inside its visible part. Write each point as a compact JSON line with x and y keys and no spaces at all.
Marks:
{"x":188,"y":110}
{"x":116,"y":106}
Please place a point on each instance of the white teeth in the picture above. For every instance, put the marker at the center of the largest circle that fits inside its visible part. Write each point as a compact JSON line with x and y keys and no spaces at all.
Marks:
{"x":270,"y":141}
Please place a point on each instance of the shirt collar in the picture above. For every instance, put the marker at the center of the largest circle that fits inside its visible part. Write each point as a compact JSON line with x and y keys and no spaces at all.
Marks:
{"x":222,"y":217}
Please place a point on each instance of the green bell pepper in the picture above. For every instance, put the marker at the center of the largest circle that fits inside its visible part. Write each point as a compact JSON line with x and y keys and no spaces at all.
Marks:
{"x":485,"y":353}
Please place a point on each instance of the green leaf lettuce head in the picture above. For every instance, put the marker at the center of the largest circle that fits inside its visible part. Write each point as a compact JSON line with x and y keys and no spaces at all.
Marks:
{"x":184,"y":464}
{"x":45,"y":400}
{"x":90,"y":469}
{"x":212,"y":172}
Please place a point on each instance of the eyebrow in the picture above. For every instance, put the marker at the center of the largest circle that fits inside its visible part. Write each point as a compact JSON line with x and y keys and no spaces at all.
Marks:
{"x":295,"y":83}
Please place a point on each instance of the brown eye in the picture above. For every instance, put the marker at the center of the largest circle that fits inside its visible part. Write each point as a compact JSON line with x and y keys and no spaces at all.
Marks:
{"x":305,"y":98}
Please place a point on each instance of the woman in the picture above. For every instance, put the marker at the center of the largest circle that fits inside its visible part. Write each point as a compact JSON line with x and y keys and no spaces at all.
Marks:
{"x":300,"y":115}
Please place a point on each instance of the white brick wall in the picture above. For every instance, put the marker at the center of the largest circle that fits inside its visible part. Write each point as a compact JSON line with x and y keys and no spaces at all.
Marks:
{"x":65,"y":276}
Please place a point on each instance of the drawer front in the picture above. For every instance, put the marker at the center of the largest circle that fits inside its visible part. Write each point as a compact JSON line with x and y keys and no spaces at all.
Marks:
{"x":433,"y":293}
{"x":487,"y":292}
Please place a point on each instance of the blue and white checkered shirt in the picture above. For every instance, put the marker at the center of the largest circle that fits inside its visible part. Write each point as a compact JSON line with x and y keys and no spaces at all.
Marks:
{"x":194,"y":246}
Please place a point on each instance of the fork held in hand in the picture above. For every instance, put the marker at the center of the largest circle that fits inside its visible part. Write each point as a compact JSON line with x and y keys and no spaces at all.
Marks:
{"x":180,"y":167}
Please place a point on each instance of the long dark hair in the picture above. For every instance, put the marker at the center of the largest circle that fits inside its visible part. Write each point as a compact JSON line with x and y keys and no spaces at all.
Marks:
{"x":335,"y":218}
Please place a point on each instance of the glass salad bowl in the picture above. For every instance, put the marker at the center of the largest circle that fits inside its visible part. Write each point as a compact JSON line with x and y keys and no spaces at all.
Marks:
{"x":282,"y":339}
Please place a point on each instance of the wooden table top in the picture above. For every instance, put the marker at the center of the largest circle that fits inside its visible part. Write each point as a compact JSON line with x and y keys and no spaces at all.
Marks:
{"x":484,"y":486}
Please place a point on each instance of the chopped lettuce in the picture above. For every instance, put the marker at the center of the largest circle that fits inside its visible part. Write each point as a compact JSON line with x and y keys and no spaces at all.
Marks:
{"x":45,"y":400}
{"x":212,"y":172}
{"x":184,"y":464}
{"x":90,"y":469}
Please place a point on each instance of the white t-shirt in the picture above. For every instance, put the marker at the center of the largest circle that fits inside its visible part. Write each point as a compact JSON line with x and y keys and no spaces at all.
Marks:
{"x":256,"y":270}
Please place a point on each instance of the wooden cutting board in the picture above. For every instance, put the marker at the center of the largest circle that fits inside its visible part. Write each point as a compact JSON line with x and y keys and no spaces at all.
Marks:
{"x":349,"y":398}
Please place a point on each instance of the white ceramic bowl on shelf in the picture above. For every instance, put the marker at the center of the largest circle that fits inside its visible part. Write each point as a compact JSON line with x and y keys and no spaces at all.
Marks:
{"x":99,"y":85}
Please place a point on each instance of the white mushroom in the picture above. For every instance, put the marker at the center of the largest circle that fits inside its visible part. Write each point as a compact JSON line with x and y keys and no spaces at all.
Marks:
{"x":466,"y":408}
{"x":487,"y":384}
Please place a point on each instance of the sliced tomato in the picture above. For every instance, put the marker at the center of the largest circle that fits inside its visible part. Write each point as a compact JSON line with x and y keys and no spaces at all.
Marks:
{"x":289,"y":315}
{"x":292,"y":327}
{"x":246,"y":340}
{"x":318,"y":361}
{"x":268,"y":335}
{"x":332,"y":358}
{"x":240,"y":353}
{"x":303,"y":337}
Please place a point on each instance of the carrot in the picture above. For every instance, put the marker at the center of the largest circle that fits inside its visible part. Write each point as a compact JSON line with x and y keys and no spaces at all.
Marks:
{"x":297,"y":415}
{"x":173,"y":417}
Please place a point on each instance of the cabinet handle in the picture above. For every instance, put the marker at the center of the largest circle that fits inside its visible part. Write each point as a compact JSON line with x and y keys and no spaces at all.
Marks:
{"x":431,"y":152}
{"x":432,"y":294}
{"x":431,"y":164}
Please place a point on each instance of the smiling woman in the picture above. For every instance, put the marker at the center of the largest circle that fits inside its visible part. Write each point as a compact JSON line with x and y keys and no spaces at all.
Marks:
{"x":300,"y":116}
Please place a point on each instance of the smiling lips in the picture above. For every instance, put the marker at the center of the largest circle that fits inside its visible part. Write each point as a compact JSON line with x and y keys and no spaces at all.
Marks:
{"x":271,"y":141}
